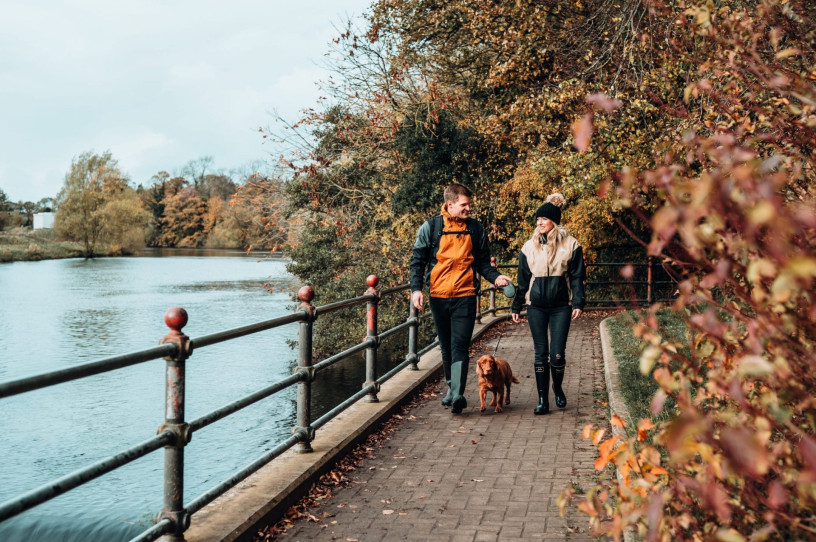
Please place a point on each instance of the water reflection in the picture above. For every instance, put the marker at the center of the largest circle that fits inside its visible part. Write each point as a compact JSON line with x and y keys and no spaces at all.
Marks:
{"x":60,"y":313}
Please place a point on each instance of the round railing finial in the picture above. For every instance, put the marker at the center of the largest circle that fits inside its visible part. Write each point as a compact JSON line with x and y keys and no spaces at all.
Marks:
{"x":306,"y":294}
{"x":372,"y":281}
{"x":175,"y":318}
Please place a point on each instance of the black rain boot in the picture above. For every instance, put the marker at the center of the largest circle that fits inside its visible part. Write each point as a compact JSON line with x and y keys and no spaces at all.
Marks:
{"x":458,"y":380}
{"x":448,"y":399}
{"x":542,"y":376}
{"x":558,"y":378}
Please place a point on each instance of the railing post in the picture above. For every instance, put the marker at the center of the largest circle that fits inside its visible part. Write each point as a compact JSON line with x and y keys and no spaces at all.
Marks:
{"x":413,"y":332}
{"x":649,"y":281}
{"x":371,"y":335}
{"x":173,"y":509}
{"x":492,"y":307}
{"x":304,"y":393}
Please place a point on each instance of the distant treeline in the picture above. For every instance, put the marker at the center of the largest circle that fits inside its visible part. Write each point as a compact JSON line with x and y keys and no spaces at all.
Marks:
{"x":99,"y":208}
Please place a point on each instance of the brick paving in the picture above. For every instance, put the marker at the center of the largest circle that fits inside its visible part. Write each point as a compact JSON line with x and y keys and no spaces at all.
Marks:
{"x":478,"y":476}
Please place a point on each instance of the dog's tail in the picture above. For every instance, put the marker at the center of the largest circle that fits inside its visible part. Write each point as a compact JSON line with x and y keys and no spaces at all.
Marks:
{"x":515,"y":380}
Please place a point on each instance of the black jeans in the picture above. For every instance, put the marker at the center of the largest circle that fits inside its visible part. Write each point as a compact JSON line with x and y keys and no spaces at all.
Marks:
{"x":454,"y":319}
{"x":550,"y":348}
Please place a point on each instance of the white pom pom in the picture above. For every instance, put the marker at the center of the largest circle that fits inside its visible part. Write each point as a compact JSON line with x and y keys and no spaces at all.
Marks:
{"x":557,"y":199}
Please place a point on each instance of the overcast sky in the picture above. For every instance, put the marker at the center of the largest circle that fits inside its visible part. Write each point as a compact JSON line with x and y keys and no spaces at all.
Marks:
{"x":156,"y":82}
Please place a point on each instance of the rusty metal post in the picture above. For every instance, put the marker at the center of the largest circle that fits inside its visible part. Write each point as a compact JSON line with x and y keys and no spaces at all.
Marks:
{"x":173,"y":509}
{"x":371,"y":335}
{"x":492,"y":307}
{"x":413,"y":332}
{"x":304,"y":394}
{"x":649,"y":281}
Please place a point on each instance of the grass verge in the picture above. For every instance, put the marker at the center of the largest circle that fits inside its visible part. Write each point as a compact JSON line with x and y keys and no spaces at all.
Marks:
{"x":20,"y":245}
{"x":636,"y":388}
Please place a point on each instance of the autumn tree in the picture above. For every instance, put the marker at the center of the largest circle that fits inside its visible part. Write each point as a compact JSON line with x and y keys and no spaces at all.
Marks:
{"x":731,"y":205}
{"x":125,"y":220}
{"x":254,"y":217}
{"x":481,"y":93}
{"x":184,"y":221}
{"x":153,"y":200}
{"x":4,"y":209}
{"x":93,"y":181}
{"x":196,"y":170}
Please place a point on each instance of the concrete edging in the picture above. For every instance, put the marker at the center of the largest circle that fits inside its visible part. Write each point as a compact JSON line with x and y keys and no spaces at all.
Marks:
{"x":616,"y":403}
{"x":263,"y":497}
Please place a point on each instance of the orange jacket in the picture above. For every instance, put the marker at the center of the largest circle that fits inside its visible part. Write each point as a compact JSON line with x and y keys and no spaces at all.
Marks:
{"x":459,"y":251}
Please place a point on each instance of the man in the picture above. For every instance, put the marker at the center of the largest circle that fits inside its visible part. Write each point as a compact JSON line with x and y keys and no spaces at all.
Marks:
{"x":449,"y":251}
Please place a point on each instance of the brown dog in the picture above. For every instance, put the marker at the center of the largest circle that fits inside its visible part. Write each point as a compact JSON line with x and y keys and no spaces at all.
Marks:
{"x":494,"y":375}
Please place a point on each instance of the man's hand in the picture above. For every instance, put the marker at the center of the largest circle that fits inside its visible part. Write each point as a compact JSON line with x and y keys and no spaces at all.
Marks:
{"x":416,"y":299}
{"x":502,"y":281}
{"x":516,"y":318}
{"x":576,"y":313}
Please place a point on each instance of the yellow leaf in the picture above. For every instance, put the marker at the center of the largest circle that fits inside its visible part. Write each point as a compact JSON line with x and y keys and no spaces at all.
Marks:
{"x":753,"y":366}
{"x":785,"y":53}
{"x":782,"y":288}
{"x":687,"y":92}
{"x":762,"y":213}
{"x":649,"y":358}
{"x":729,"y":535}
{"x":802,"y":266}
{"x":759,"y":268}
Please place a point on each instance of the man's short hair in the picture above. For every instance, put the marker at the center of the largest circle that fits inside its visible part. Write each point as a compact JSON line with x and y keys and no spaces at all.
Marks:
{"x":454,"y":190}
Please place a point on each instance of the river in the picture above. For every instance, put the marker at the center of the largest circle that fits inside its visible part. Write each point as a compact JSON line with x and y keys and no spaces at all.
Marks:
{"x":61,"y":313}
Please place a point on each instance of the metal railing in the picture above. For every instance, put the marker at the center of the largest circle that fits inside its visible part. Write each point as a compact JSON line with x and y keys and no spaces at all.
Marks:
{"x":638,"y":292}
{"x":176,"y":432}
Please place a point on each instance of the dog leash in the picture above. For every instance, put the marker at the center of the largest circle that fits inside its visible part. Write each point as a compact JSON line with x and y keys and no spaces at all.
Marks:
{"x":497,"y":343}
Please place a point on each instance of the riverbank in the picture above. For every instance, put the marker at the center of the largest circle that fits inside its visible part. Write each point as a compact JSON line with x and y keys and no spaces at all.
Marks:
{"x":23,"y":245}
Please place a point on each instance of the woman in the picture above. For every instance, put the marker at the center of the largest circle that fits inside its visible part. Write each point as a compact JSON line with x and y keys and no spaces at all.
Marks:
{"x":551,"y":282}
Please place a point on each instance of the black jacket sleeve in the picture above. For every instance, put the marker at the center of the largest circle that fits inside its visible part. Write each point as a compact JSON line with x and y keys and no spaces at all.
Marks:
{"x":577,"y":276}
{"x":481,"y":253}
{"x":523,"y":284}
{"x":421,"y":256}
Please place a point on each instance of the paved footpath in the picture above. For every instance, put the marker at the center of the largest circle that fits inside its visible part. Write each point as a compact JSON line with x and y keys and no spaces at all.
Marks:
{"x":478,"y":476}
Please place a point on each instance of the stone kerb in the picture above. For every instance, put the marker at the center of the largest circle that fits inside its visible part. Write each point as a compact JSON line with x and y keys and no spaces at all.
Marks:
{"x":616,"y":403}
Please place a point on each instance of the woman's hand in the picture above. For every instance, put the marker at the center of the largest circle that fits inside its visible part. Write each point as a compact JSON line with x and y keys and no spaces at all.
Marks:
{"x":516,"y":318}
{"x":576,"y":313}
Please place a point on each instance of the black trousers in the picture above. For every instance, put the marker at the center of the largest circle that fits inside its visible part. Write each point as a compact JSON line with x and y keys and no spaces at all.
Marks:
{"x":454,"y":319}
{"x":549,"y":328}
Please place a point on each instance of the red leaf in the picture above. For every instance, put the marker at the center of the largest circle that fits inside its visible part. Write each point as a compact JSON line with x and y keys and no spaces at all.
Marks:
{"x":808,"y":448}
{"x":744,"y":451}
{"x":604,"y":102}
{"x":582,"y":132}
{"x":777,"y":495}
